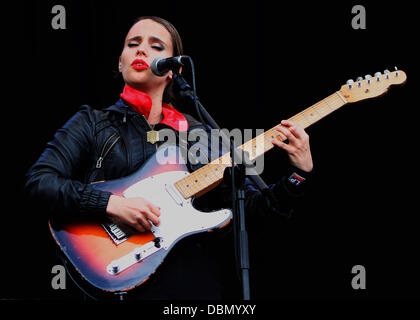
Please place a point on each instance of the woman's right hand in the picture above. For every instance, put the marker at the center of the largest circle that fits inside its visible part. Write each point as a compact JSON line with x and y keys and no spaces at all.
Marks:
{"x":135,"y":212}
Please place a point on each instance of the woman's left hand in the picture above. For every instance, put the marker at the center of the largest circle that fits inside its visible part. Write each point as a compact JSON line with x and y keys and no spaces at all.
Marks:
{"x":298,"y":147}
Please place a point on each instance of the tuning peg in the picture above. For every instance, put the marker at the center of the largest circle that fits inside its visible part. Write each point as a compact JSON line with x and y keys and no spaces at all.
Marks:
{"x":368,"y":77}
{"x":350,"y":83}
{"x":386,"y":72}
{"x":396,"y":73}
{"x":378,"y":76}
{"x":359,"y":81}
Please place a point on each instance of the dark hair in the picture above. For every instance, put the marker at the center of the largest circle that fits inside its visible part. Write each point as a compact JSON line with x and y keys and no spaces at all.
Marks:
{"x":169,"y":94}
{"x":176,"y":38}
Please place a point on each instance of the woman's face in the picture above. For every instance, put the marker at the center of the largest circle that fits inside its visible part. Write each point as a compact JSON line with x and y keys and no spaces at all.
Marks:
{"x":145,"y":41}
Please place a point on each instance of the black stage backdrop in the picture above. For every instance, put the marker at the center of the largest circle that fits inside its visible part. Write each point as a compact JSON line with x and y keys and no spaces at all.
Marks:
{"x":256,"y":63}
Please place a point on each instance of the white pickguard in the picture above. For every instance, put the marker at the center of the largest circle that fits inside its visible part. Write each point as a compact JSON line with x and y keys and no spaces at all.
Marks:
{"x":178,"y":217}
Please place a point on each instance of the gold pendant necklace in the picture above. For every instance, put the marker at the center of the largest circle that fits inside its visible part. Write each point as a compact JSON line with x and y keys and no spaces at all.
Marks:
{"x":152,"y":135}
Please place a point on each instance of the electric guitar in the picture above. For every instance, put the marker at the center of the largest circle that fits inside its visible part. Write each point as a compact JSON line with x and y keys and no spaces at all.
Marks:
{"x":113,"y":258}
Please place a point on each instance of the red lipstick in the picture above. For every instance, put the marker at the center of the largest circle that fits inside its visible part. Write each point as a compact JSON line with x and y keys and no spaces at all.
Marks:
{"x":139,"y":64}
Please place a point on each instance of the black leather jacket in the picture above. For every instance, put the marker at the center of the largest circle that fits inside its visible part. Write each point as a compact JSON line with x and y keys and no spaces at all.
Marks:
{"x":97,"y":145}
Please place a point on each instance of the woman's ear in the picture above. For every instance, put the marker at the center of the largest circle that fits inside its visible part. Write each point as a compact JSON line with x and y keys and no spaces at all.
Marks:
{"x":119,"y":64}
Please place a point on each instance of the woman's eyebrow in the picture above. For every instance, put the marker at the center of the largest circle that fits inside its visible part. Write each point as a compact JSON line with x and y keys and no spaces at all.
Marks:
{"x":135,"y":38}
{"x":156,"y":39}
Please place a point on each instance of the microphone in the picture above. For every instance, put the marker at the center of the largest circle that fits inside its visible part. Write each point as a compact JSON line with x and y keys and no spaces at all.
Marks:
{"x":161,"y":66}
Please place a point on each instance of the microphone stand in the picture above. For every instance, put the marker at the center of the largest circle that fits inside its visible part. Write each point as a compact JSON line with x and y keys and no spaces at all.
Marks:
{"x":237,"y":181}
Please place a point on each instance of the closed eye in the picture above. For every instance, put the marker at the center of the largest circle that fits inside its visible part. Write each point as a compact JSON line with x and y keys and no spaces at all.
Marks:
{"x":159,"y":48}
{"x":155,"y":43}
{"x":156,"y":47}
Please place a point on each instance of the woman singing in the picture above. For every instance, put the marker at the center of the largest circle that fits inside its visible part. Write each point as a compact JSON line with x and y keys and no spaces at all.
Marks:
{"x":96,"y":145}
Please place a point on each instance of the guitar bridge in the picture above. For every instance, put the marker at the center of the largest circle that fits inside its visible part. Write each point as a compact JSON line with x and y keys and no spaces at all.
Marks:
{"x":117,"y":233}
{"x":135,"y":256}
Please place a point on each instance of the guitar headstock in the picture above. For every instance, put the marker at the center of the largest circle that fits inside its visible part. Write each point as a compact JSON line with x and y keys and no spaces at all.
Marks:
{"x":371,"y":87}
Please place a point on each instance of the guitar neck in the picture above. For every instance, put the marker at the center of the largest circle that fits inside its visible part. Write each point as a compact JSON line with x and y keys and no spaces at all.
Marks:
{"x":304,"y":119}
{"x":319,"y":110}
{"x":210,"y":175}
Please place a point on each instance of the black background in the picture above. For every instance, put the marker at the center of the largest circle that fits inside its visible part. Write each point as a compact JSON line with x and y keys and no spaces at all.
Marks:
{"x":256,"y":63}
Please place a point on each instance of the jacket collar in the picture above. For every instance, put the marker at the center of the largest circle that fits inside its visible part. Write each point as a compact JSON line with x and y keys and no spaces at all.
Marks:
{"x":120,"y":107}
{"x":175,"y":120}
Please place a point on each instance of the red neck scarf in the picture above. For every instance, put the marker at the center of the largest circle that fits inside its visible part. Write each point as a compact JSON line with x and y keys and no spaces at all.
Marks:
{"x":142,"y":103}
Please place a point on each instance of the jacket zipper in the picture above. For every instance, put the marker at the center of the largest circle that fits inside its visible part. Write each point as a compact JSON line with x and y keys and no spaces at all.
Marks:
{"x":105,"y":153}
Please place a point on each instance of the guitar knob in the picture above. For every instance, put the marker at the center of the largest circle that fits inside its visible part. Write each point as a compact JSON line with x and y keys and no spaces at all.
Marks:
{"x":157,"y":242}
{"x":115,"y":268}
{"x":137,"y":254}
{"x":359,"y":81}
{"x":350,"y":83}
{"x":368,"y":77}
{"x":378,"y":76}
{"x":386,"y":73}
